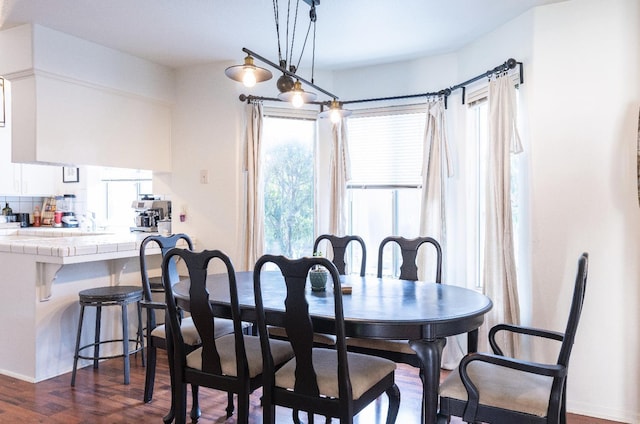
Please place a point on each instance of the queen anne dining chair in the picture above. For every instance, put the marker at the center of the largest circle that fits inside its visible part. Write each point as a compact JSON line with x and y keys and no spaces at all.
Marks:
{"x":399,"y":350}
{"x":324,"y":381}
{"x":494,"y":388}
{"x":339,"y":245}
{"x":156,"y":333}
{"x":233,"y":362}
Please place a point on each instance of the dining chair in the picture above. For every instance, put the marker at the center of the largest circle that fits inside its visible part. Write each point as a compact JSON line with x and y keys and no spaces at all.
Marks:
{"x":409,"y":250}
{"x":155,"y":332}
{"x":494,"y":388}
{"x":399,"y":350}
{"x":339,"y":246}
{"x":231,"y":363}
{"x":317,"y":380}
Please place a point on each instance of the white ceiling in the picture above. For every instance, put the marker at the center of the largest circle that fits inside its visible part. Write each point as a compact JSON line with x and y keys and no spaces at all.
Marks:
{"x":350,"y":33}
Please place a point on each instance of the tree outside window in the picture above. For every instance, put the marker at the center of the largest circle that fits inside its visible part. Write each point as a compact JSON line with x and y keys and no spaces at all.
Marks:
{"x":288,"y":186}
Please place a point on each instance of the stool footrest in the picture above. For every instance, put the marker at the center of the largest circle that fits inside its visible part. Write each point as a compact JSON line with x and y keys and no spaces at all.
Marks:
{"x":137,"y":349}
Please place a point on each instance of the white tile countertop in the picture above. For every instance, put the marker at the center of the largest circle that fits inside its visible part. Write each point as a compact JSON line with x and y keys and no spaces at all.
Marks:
{"x":69,"y":245}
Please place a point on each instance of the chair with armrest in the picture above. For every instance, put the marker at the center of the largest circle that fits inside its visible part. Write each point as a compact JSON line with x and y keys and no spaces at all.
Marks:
{"x":233,"y":362}
{"x":399,"y":350}
{"x":493,"y":388}
{"x":329,"y":382}
{"x":156,"y":334}
{"x":339,"y":246}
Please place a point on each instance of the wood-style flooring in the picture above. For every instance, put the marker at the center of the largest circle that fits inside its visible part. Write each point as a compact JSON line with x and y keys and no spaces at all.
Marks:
{"x":100,"y":397}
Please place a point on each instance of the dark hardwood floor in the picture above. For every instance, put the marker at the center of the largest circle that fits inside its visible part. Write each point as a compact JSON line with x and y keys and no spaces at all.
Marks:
{"x":100,"y":397}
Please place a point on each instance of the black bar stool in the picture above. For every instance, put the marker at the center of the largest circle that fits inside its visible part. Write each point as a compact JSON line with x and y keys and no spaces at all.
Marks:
{"x":110,"y":296}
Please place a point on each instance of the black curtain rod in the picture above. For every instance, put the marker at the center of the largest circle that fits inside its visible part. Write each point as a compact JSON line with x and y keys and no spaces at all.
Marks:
{"x":446,"y":92}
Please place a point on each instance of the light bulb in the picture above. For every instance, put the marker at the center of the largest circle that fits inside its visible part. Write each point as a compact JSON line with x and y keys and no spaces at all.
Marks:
{"x":334,"y":116}
{"x":297,"y":100}
{"x":249,"y":77}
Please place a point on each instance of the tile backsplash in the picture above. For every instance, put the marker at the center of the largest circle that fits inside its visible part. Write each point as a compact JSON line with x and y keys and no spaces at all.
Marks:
{"x":24,"y":204}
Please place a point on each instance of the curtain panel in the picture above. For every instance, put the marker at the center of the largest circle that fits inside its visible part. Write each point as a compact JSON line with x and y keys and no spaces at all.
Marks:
{"x":499,"y":276}
{"x":339,"y":174}
{"x":436,"y":168}
{"x":254,"y":211}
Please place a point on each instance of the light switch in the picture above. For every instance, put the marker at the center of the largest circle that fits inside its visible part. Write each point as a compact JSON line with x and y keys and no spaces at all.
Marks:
{"x":204,"y":176}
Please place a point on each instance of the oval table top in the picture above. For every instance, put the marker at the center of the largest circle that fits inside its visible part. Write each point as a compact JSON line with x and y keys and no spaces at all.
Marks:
{"x":377,"y":307}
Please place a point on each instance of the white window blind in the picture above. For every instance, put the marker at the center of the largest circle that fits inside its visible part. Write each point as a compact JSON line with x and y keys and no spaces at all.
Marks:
{"x":386,"y":150}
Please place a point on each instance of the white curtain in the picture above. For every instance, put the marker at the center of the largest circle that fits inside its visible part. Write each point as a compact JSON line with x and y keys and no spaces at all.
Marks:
{"x":499,"y":276}
{"x":254,"y":217}
{"x":339,"y":174}
{"x":436,"y":167}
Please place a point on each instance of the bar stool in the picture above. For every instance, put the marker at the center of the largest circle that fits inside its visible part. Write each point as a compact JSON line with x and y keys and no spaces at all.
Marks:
{"x":110,"y":296}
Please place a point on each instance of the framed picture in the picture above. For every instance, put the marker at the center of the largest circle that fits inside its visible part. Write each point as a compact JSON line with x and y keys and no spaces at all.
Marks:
{"x":2,"y":119}
{"x":70,"y":175}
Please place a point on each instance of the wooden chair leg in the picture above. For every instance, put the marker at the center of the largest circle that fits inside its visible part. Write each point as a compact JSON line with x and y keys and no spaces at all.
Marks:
{"x":181,"y":404}
{"x":195,"y":404}
{"x":393,"y":393}
{"x":230,"y":407}
{"x":150,"y":373}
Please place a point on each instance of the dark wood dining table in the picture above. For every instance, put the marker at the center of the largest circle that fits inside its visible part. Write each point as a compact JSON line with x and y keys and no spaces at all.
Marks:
{"x":424,"y":313}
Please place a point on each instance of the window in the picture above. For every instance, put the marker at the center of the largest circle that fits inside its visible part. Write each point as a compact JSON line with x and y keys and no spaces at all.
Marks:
{"x":288,"y":171}
{"x":385,"y":149}
{"x":111,"y":191}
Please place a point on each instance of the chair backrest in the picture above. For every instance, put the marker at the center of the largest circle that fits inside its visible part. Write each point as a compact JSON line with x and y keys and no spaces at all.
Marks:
{"x":409,"y":250}
{"x":297,"y":321}
{"x":579,"y":290}
{"x":165,"y":243}
{"x":339,"y":246}
{"x":197,"y":264}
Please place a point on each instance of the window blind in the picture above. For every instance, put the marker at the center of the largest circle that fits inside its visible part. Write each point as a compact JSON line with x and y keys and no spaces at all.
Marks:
{"x":386,"y":150}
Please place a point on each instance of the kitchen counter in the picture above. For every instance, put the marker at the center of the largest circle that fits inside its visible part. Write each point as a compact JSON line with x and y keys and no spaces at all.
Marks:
{"x":43,"y":269}
{"x":70,"y":245}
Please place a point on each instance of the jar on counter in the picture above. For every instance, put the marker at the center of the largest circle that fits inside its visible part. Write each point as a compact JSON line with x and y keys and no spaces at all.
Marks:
{"x":36,"y":217}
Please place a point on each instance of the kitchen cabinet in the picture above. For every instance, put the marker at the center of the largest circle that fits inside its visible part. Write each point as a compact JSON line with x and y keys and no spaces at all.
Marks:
{"x":21,"y":179}
{"x":39,"y":180}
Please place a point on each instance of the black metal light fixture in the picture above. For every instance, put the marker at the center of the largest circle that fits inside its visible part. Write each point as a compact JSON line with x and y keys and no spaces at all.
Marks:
{"x":290,"y":83}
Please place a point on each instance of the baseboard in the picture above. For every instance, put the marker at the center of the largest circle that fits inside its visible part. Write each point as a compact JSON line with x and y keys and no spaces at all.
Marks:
{"x":602,"y":412}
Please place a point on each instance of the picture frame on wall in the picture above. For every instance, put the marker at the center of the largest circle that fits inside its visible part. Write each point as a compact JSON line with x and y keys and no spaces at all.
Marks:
{"x":2,"y":116}
{"x":70,"y":174}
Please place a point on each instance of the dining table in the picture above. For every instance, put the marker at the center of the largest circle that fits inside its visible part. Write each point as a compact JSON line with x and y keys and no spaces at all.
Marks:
{"x":423,"y":313}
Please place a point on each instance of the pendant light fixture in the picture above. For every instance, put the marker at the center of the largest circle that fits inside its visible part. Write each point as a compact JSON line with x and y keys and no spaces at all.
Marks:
{"x":289,"y":84}
{"x":297,"y":96}
{"x":248,"y":74}
{"x":335,"y":112}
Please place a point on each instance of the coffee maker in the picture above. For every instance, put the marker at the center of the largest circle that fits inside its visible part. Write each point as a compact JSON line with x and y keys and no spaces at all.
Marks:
{"x":67,"y":206}
{"x":149,"y":212}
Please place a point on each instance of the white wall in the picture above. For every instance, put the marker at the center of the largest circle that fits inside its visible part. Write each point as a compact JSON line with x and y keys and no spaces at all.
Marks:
{"x":583,"y":135}
{"x":208,"y":129}
{"x":580,"y":104}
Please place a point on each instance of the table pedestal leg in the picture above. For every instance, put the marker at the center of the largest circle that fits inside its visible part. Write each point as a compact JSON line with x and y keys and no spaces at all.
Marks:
{"x":472,"y":341}
{"x":430,"y":353}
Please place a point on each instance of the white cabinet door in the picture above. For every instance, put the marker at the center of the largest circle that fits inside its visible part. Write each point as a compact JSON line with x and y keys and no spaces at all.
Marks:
{"x":9,"y":172}
{"x":39,"y":180}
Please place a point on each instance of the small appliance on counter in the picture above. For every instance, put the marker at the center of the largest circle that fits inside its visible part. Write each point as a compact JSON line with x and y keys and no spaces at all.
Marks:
{"x":23,"y":219}
{"x":150,"y":212}
{"x":67,"y":207}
